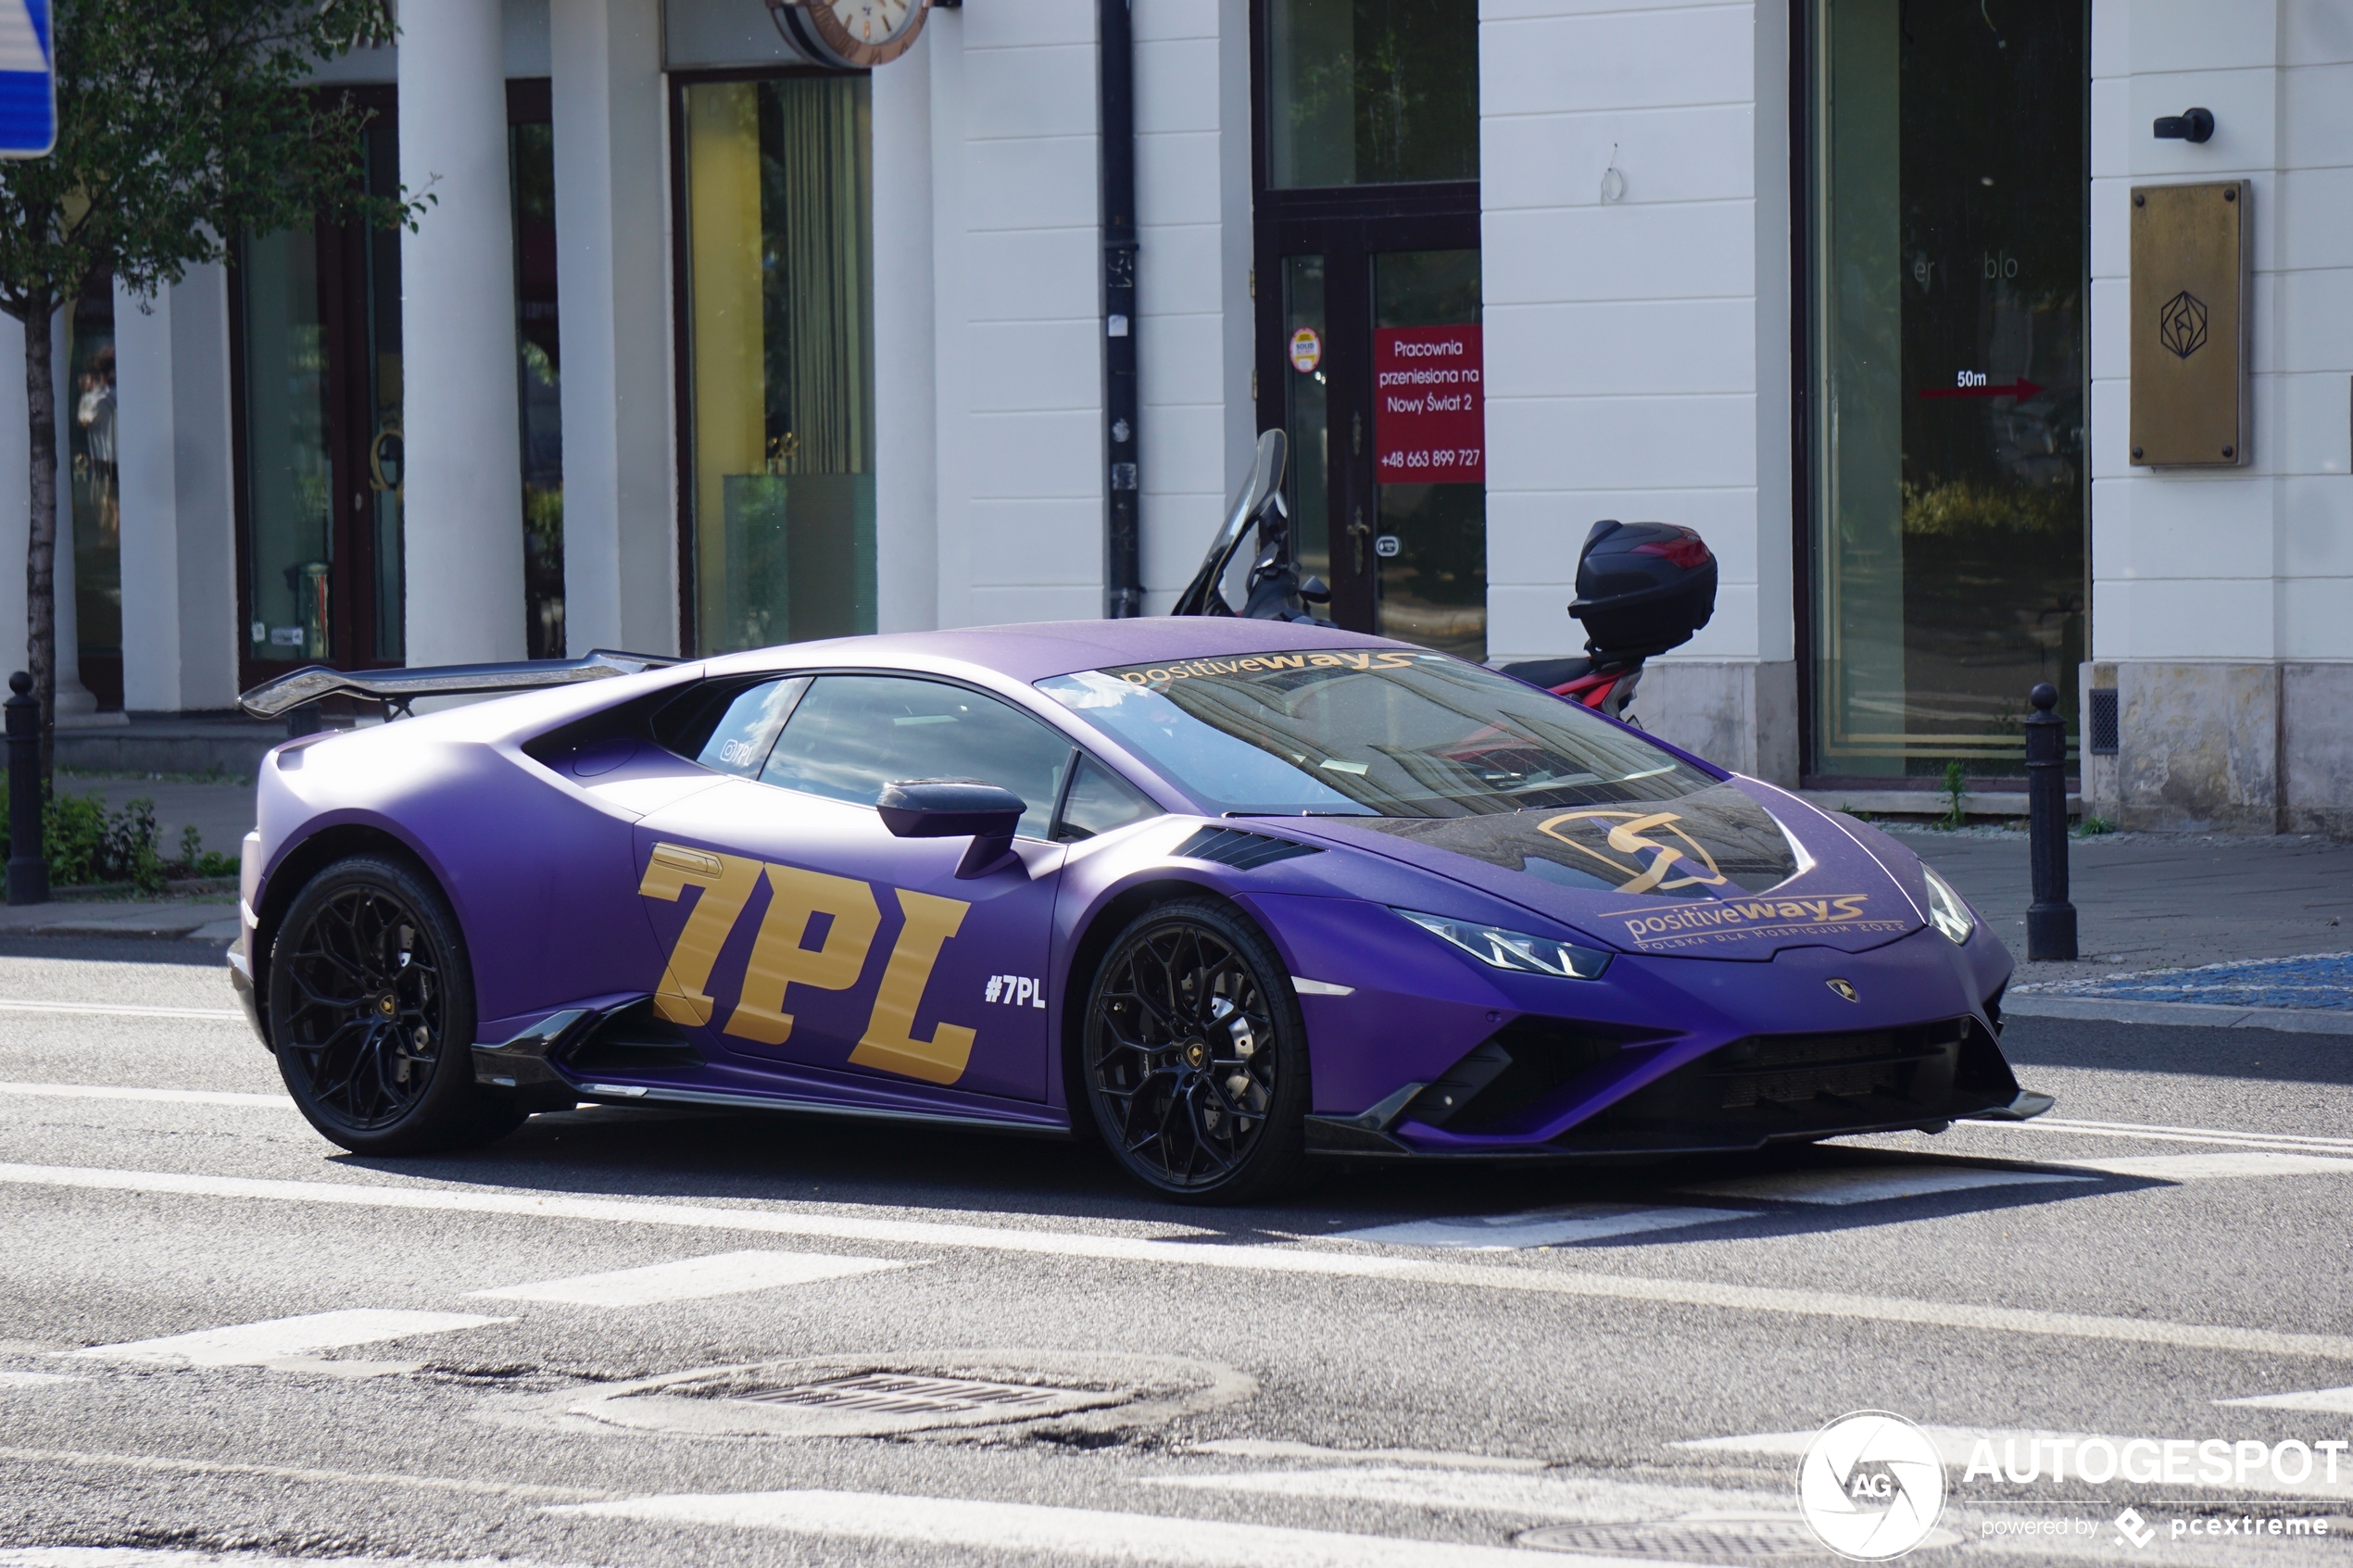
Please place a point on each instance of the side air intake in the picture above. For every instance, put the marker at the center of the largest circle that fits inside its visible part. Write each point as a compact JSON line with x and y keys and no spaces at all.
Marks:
{"x":1243,"y":851}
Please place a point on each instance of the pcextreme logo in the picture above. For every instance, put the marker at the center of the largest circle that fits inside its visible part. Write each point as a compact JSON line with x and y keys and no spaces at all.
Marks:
{"x":778,"y":960}
{"x":1871,"y":1486}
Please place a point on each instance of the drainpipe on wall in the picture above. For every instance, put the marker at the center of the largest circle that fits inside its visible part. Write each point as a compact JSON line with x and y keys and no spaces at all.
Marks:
{"x":1123,"y":553}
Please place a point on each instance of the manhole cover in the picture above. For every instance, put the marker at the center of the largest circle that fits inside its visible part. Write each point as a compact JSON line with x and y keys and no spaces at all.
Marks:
{"x":878,"y":1396}
{"x":1706,"y":1540}
{"x":894,"y":1394}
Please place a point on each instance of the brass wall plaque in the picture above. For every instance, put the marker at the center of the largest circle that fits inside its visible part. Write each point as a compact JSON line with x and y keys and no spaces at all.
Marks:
{"x":2189,"y":403}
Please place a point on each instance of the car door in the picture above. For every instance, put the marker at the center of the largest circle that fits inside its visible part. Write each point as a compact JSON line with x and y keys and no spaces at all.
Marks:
{"x":800,"y":935}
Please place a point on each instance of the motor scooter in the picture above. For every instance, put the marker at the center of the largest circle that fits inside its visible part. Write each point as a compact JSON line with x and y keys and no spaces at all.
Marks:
{"x":1273,"y":590}
{"x":1641,"y":589}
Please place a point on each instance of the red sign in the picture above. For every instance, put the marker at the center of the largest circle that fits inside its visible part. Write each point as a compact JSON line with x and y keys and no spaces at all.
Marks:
{"x":1429,"y":425}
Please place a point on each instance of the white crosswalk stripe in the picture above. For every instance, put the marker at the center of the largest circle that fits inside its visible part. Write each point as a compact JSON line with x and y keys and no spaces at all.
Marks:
{"x":721,"y":1274}
{"x":2337,"y":1401}
{"x":2163,"y":1132}
{"x":2218,"y":1166}
{"x":1017,"y":1528}
{"x":775,"y":1220}
{"x":1543,"y":1227}
{"x":158,"y":1097}
{"x":119,"y":1009}
{"x":1581,"y":1498}
{"x":160,"y":1557}
{"x":258,"y":1344}
{"x":1874,"y":1185}
{"x":2025,"y":1453}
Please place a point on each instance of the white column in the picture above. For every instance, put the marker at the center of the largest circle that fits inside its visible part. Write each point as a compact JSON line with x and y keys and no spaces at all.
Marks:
{"x":621,"y":552}
{"x":179,"y":544}
{"x":204,"y":494}
{"x":145,"y":436}
{"x":462,"y":513}
{"x":906,"y":383}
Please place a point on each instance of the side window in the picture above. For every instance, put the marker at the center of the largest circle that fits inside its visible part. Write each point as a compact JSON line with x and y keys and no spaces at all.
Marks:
{"x":729,"y":729}
{"x":852,"y":734}
{"x":1099,"y":801}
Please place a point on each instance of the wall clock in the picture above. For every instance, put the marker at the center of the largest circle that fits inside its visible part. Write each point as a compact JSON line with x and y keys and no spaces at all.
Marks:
{"x":857,"y":33}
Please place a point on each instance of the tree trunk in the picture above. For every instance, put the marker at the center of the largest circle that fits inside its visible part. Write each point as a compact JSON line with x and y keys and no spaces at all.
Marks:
{"x":41,"y":553}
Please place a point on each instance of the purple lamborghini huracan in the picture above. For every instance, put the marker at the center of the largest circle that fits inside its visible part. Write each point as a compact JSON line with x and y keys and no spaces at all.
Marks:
{"x":1232,"y":893}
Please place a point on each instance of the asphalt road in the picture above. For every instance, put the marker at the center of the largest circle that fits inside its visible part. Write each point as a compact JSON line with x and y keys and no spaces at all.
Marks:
{"x":420,"y":1360}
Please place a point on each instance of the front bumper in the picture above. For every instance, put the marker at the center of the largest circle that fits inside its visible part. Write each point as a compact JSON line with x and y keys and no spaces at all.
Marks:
{"x":1683,"y":1056}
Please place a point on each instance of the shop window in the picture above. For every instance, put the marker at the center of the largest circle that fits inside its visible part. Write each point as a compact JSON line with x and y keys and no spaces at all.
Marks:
{"x":532,"y":176}
{"x":779,"y":354}
{"x":95,"y":491}
{"x":1366,"y":216}
{"x":1371,"y":92}
{"x":1946,"y":451}
{"x":288,"y":478}
{"x":320,"y":388}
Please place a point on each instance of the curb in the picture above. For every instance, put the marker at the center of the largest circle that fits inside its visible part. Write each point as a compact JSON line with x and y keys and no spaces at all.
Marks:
{"x":2299,"y":1021}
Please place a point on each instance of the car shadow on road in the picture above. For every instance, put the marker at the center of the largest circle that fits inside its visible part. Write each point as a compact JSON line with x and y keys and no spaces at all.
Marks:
{"x":2259,"y":1055}
{"x":955,"y":1174}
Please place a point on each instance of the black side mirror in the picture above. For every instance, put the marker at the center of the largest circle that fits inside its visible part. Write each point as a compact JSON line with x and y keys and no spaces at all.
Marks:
{"x":956,"y":809}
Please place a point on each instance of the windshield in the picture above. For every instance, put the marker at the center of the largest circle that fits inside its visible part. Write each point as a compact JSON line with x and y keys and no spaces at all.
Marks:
{"x":1372,"y":732}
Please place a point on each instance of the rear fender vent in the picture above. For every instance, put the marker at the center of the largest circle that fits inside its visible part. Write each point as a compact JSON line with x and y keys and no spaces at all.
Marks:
{"x":1243,"y":851}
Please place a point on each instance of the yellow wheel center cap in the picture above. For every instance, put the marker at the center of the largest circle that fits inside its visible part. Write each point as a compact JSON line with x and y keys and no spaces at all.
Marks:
{"x":1197,"y":1055}
{"x":385,"y":1005}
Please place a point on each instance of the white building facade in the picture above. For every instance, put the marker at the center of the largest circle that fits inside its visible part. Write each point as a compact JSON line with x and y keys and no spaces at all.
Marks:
{"x":703,"y":343}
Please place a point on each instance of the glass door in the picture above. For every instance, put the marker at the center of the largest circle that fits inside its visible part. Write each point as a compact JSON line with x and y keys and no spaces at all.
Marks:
{"x":1429,"y":456}
{"x":1378,"y":383}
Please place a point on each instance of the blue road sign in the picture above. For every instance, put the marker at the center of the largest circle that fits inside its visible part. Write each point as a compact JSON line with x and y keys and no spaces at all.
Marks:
{"x":28,"y":85}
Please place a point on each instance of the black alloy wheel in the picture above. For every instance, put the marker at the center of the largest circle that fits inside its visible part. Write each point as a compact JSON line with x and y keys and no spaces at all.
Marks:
{"x":371,"y":1013}
{"x":1196,"y":1056}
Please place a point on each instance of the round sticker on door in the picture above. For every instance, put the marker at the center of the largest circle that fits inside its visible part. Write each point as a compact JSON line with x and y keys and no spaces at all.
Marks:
{"x":1306,"y":350}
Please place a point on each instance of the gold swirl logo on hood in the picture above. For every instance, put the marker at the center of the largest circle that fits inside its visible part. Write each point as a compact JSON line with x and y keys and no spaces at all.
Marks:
{"x":1625,"y":836}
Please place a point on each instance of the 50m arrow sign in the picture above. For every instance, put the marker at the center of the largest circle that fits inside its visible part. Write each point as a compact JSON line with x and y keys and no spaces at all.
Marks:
{"x":2020,"y":388}
{"x":28,"y":85}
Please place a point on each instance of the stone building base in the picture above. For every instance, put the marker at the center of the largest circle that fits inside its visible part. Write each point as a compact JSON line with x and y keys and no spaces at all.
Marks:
{"x":1742,"y":716}
{"x":2220,"y":747}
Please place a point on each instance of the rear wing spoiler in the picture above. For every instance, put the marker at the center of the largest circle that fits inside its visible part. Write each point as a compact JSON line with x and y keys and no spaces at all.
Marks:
{"x":397,"y":688}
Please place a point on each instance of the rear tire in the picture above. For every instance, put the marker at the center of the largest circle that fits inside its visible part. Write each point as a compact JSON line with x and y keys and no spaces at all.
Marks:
{"x":372,"y":1014}
{"x":1195,"y":1056}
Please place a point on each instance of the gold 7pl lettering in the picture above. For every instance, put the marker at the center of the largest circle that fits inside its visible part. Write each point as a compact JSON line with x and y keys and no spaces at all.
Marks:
{"x":779,"y":961}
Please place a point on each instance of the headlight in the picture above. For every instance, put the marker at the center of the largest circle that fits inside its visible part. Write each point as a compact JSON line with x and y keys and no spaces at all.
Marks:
{"x":1945,"y":910}
{"x":1517,"y":950}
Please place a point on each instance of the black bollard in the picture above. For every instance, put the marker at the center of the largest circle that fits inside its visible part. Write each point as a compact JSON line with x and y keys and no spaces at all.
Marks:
{"x":2050,"y":920}
{"x":28,"y":866}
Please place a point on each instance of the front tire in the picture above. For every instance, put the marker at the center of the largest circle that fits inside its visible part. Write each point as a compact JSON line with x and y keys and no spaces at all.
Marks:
{"x":371,"y":1013}
{"x":1195,"y":1056}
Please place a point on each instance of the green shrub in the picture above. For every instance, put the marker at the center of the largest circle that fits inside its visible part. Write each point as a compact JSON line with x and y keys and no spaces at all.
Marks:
{"x":1956,"y":793}
{"x":85,"y":843}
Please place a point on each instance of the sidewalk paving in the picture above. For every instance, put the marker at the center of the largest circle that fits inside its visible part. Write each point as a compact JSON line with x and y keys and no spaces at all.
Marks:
{"x":2167,"y":925}
{"x":207,"y":919}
